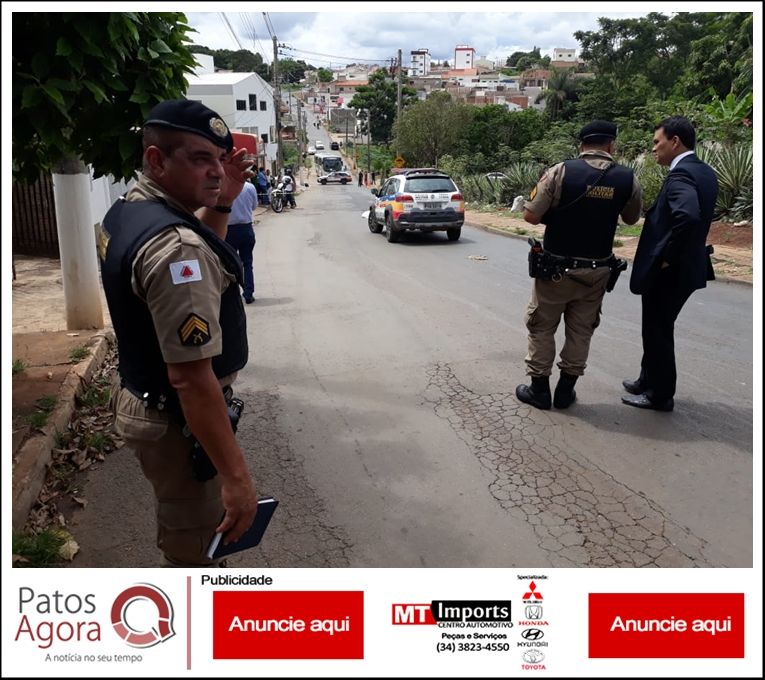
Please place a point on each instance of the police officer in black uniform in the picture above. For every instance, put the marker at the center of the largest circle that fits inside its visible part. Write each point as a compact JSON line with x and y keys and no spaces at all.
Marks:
{"x":172,"y":287}
{"x":579,"y":201}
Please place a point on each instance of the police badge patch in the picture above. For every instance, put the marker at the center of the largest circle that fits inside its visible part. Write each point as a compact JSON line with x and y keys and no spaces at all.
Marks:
{"x":194,"y":331}
{"x":218,"y":127}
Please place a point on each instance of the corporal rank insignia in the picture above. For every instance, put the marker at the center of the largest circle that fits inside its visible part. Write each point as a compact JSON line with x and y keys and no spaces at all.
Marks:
{"x":194,"y":331}
{"x":533,"y":194}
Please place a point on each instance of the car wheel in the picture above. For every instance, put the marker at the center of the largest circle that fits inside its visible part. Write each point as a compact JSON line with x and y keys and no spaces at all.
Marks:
{"x":372,"y":222}
{"x":454,"y":234}
{"x":390,"y":233}
{"x":322,"y":181}
{"x":343,"y":181}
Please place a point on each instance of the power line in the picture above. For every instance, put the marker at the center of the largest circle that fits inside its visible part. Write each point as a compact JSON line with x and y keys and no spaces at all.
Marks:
{"x":231,"y":30}
{"x":335,"y":56}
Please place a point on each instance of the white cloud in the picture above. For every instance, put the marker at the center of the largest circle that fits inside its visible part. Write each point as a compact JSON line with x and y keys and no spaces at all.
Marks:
{"x":341,"y":36}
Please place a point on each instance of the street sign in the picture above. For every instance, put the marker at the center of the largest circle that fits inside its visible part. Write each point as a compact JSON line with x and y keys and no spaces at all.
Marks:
{"x":399,"y":162}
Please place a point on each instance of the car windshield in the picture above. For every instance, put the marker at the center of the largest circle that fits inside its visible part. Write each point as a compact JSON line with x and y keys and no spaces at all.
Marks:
{"x":429,"y":184}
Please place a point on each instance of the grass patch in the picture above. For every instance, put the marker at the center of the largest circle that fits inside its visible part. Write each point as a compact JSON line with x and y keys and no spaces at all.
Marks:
{"x":79,"y":353}
{"x":18,"y":366}
{"x":521,"y":231}
{"x":96,"y":396}
{"x":38,"y":550}
{"x":625,"y":230}
{"x":618,"y":243}
{"x":98,"y":441}
{"x":45,"y":405}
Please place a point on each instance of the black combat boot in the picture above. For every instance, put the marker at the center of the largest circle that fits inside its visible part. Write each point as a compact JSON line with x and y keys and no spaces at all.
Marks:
{"x":564,"y":390}
{"x":537,"y":394}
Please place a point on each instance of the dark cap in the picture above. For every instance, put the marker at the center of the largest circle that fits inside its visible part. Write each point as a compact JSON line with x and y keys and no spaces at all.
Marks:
{"x":192,"y":116}
{"x":598,"y":128}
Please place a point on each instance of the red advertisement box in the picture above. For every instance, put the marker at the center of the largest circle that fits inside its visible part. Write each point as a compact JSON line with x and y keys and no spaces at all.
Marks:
{"x":288,"y":625}
{"x":666,"y":625}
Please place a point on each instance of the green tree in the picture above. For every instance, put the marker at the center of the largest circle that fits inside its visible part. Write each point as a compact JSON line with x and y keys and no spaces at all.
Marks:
{"x":325,"y":75}
{"x":431,"y":128}
{"x":532,"y":57}
{"x":493,"y":131}
{"x":379,"y":97}
{"x":83,"y":86}
{"x":721,"y":59}
{"x":561,"y":90}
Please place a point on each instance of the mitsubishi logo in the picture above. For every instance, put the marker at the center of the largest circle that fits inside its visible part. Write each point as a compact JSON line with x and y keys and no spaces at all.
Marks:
{"x":532,"y":592}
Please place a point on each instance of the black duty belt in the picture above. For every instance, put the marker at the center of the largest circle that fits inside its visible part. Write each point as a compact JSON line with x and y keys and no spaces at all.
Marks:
{"x":162,"y":400}
{"x":582,"y":263}
{"x":165,"y":400}
{"x":240,"y":224}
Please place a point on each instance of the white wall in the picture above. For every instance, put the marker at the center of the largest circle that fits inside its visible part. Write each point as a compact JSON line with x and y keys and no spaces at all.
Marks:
{"x":222,"y":97}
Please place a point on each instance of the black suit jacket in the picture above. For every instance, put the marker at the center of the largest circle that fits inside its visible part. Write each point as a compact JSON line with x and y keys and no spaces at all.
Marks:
{"x":676,"y":228}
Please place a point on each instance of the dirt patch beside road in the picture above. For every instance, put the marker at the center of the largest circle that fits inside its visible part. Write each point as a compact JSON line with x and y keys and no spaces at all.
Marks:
{"x":732,"y":258}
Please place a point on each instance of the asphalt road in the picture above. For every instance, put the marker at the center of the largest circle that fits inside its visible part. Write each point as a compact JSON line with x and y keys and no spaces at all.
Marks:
{"x":380,"y":410}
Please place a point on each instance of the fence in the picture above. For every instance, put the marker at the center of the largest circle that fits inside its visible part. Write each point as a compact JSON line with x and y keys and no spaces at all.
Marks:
{"x":34,"y":218}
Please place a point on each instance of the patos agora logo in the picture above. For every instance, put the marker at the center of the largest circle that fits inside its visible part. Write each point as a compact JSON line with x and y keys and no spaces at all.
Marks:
{"x":143,"y":631}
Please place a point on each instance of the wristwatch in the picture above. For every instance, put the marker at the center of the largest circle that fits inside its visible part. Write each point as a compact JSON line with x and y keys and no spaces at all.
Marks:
{"x":222,"y":208}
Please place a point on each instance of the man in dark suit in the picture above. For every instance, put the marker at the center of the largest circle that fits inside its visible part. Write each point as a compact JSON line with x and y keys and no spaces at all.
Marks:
{"x":671,"y":259}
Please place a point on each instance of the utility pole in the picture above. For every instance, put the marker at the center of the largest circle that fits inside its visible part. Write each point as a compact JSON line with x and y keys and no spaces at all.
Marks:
{"x":398,"y":89}
{"x":299,"y":139}
{"x":369,"y":137}
{"x":277,"y":110}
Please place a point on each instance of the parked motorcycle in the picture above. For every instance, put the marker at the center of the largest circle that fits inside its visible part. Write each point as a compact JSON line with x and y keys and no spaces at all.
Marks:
{"x":277,"y":197}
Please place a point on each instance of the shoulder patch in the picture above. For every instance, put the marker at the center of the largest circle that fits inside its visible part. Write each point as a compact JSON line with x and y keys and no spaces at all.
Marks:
{"x":533,"y":193}
{"x":185,"y":271}
{"x":194,"y":331}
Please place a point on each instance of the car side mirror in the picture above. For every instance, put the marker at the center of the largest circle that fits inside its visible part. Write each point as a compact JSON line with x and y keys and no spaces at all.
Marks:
{"x":373,"y":192}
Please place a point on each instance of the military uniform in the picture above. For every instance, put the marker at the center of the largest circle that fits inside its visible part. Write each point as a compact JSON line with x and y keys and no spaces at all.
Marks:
{"x":579,"y":202}
{"x":172,"y":286}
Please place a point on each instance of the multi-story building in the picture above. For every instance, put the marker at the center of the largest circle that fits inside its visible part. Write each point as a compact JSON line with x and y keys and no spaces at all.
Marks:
{"x":564,"y":57}
{"x":464,"y":56}
{"x":420,"y":62}
{"x":245,"y":102}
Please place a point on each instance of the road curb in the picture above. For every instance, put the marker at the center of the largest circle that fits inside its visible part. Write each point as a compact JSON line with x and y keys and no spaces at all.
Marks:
{"x":502,"y":232}
{"x":35,"y":455}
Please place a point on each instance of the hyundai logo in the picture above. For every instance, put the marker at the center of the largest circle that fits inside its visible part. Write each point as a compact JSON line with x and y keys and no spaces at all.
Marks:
{"x":532,"y":634}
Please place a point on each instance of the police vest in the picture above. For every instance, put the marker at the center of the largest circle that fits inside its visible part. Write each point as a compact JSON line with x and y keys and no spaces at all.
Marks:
{"x":129,"y":225}
{"x":583,"y":223}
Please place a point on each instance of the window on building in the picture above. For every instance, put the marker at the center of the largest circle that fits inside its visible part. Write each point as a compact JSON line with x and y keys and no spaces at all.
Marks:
{"x":241,"y":105}
{"x":253,"y":102}
{"x":264,"y":138}
{"x":263,"y":106}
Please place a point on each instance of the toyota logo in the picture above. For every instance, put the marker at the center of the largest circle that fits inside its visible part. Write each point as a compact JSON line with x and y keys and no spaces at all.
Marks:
{"x":532,"y":634}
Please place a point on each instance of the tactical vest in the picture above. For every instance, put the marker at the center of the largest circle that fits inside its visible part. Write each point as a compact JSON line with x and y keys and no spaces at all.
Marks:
{"x":583,"y":223}
{"x":129,"y":225}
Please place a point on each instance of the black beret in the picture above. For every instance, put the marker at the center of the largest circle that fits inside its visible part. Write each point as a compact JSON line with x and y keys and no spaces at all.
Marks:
{"x":188,"y":115}
{"x":598,"y":128}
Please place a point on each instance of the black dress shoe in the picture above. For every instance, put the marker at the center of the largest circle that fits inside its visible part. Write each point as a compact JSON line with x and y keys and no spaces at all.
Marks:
{"x":642,"y":401}
{"x":249,"y":300}
{"x":633,"y":386}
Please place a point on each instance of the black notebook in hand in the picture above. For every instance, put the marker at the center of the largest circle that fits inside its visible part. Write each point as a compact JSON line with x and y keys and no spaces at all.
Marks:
{"x":249,"y":538}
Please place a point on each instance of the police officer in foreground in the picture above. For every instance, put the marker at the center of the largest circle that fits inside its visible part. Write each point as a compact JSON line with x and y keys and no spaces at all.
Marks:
{"x":172,"y":286}
{"x":579,"y":201}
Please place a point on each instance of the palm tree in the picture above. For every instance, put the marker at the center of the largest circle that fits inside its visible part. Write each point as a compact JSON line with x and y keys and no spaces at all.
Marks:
{"x":561,"y":88}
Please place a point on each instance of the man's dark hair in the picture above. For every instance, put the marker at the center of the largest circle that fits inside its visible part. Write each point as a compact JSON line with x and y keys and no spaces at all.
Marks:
{"x":167,"y":140}
{"x":681,"y":127}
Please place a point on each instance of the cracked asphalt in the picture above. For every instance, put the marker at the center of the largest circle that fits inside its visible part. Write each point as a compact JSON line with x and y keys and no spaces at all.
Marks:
{"x":582,"y":516}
